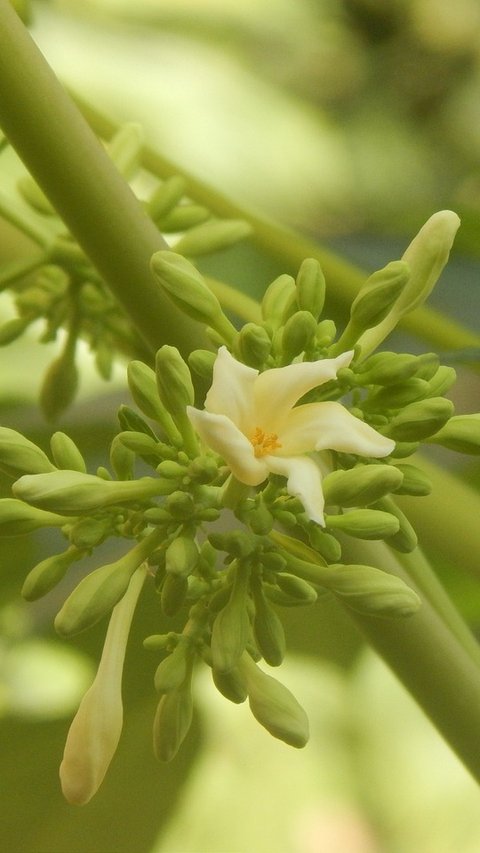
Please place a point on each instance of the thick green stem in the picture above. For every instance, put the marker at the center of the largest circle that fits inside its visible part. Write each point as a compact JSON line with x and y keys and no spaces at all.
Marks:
{"x":76,"y":175}
{"x":427,"y":657}
{"x":291,"y":249}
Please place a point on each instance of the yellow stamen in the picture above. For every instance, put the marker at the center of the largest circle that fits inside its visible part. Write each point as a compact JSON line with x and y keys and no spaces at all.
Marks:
{"x":264,"y":442}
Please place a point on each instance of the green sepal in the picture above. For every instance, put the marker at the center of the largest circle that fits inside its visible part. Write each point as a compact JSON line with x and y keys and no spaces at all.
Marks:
{"x":365,"y":523}
{"x":361,"y":485}
{"x":372,"y":591}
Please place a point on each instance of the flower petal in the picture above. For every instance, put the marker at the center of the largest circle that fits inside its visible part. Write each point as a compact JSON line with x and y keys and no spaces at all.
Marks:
{"x":277,"y":390}
{"x":304,"y":481}
{"x":231,"y":392}
{"x":330,"y":426}
{"x":220,"y":434}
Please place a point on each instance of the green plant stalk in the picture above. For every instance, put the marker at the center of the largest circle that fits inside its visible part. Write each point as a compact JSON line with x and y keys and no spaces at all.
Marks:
{"x":291,"y":249}
{"x":430,"y":661}
{"x":72,"y":168}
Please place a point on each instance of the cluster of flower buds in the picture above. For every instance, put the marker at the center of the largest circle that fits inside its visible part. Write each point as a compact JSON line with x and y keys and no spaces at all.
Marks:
{"x":302,"y":436}
{"x":65,"y":291}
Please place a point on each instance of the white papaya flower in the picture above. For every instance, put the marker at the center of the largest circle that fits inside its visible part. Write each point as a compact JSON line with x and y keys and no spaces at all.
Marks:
{"x":250,"y":419}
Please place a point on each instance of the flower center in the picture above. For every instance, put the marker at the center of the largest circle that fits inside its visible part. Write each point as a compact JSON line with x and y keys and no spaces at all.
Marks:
{"x":264,"y":442}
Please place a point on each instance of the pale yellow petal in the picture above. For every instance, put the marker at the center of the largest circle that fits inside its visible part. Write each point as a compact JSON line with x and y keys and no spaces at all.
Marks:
{"x":277,"y":390}
{"x":221,"y":435}
{"x":231,"y":392}
{"x":330,"y":426}
{"x":304,"y":481}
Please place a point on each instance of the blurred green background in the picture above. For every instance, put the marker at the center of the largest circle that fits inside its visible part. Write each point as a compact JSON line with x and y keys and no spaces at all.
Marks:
{"x":352,"y":121}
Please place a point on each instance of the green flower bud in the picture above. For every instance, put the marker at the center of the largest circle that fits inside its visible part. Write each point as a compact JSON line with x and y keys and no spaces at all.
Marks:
{"x":174,"y":593}
{"x":372,"y":591}
{"x":157,"y":515}
{"x":99,"y":592}
{"x":268,"y":629}
{"x":122,"y":459}
{"x":253,"y":345}
{"x":273,"y":706}
{"x":298,"y":333}
{"x":166,"y":196}
{"x":184,"y":216}
{"x":213,"y":236}
{"x":33,"y":195}
{"x":72,"y":492}
{"x":415,"y":481}
{"x":171,"y":470}
{"x":428,"y":364}
{"x":175,"y":388}
{"x":173,"y":670}
{"x":326,"y":545}
{"x":157,"y":642}
{"x":373,"y":302}
{"x":180,"y":505}
{"x":181,"y":557}
{"x":272,"y":561}
{"x":231,"y":685}
{"x":130,"y":421}
{"x":293,"y":548}
{"x":387,"y":368}
{"x":59,"y":384}
{"x":420,"y":420}
{"x":18,"y":455}
{"x":125,"y":149}
{"x":203,"y":469}
{"x":361,"y":485}
{"x":201,"y":361}
{"x":397,"y":396}
{"x":441,"y":381}
{"x":365,"y":523}
{"x":17,"y":517}
{"x":143,"y":388}
{"x":310,"y":284}
{"x":172,"y":722}
{"x":231,"y":628}
{"x":403,"y":449}
{"x":297,"y":588}
{"x":104,"y":356}
{"x":260,"y":519}
{"x":188,"y":290}
{"x":66,"y":453}
{"x":326,"y":331}
{"x":406,"y":538}
{"x":146,"y":446}
{"x":279,"y":300}
{"x":88,"y":532}
{"x":47,"y":574}
{"x":461,"y":433}
{"x":12,"y":329}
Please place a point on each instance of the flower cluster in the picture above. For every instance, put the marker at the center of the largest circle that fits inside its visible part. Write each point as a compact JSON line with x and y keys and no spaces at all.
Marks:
{"x":301,"y":439}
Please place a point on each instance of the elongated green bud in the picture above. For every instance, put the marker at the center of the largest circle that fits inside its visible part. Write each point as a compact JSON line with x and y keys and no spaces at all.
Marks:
{"x":253,"y":345}
{"x":173,"y":670}
{"x":268,"y":629}
{"x":99,"y":591}
{"x":370,"y":590}
{"x":298,"y":333}
{"x":231,"y":685}
{"x":310,"y":283}
{"x":415,"y":481}
{"x":405,"y":540}
{"x":142,"y":444}
{"x":174,"y":591}
{"x":18,"y":455}
{"x":260,"y":519}
{"x":397,"y":396}
{"x":387,"y":368}
{"x":122,"y":459}
{"x":60,"y":384}
{"x":17,"y":517}
{"x":326,"y":545}
{"x":184,"y":216}
{"x":273,"y":706}
{"x":172,"y":722}
{"x":188,"y":290}
{"x":175,"y":388}
{"x":12,"y":329}
{"x":143,"y":388}
{"x":166,"y":196}
{"x":125,"y":149}
{"x":181,"y":557}
{"x":297,"y":588}
{"x":88,"y":532}
{"x":130,"y":421}
{"x":461,"y":433}
{"x":45,"y":575}
{"x":291,"y":547}
{"x":441,"y":381}
{"x":361,"y":485}
{"x":231,"y":627}
{"x":201,"y":361}
{"x":72,"y":492}
{"x":213,"y":236}
{"x":373,"y":302}
{"x":421,"y":420}
{"x":365,"y":523}
{"x":326,"y":331}
{"x":279,"y":300}
{"x":66,"y":453}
